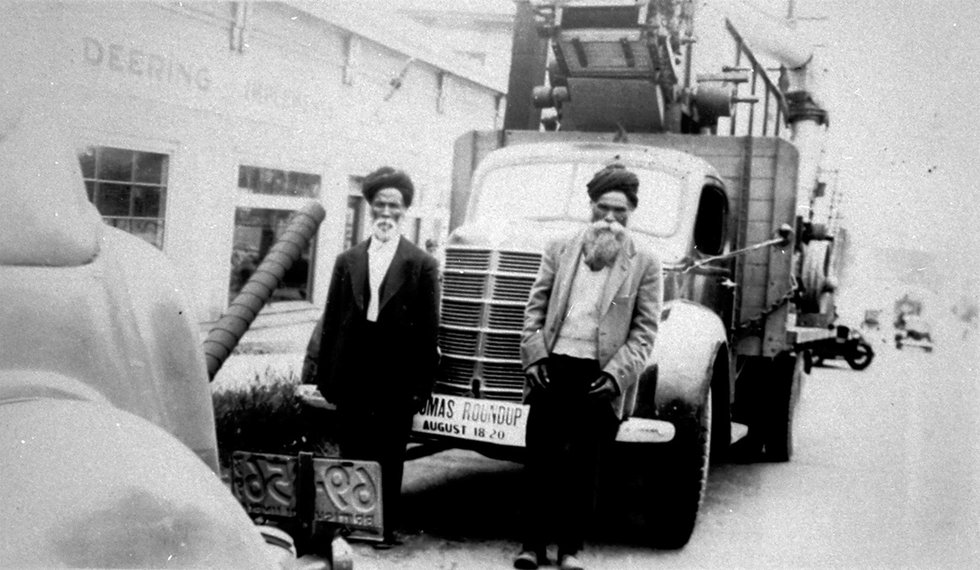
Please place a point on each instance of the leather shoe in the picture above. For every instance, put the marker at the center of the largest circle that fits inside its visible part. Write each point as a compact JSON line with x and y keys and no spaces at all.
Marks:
{"x":528,"y":560}
{"x":570,"y":562}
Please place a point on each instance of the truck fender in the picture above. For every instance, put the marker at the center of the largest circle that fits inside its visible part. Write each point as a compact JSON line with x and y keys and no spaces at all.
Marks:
{"x":688,"y":341}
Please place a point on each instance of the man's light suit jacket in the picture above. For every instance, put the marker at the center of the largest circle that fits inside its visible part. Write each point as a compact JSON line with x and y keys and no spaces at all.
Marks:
{"x":629,"y":311}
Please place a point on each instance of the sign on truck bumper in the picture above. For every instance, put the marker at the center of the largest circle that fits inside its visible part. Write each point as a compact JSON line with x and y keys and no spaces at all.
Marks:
{"x":505,"y":423}
{"x":489,"y":421}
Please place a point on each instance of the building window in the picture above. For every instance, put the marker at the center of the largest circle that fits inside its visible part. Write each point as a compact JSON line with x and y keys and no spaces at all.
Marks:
{"x":128,"y":187}
{"x":354,"y":228}
{"x":416,"y":231}
{"x":256,"y":231}
{"x":258,"y":180}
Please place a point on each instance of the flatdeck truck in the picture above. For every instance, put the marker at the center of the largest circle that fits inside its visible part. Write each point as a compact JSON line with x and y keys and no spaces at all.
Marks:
{"x":731,"y":200}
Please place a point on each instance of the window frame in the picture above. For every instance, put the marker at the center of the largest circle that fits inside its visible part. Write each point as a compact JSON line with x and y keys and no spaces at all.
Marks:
{"x":243,"y":198}
{"x":165,"y":185}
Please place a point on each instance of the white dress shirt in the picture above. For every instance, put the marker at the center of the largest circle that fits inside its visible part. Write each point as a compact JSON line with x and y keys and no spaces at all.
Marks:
{"x":380,"y":254}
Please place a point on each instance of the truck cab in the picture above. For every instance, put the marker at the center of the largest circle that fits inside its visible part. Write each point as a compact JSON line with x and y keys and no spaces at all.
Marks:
{"x":525,"y":195}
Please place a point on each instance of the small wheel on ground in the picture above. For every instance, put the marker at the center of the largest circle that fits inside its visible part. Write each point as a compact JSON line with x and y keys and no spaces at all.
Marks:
{"x":861,"y":357}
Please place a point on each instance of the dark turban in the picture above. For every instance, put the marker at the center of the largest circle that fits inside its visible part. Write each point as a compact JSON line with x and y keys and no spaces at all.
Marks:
{"x":614,"y":178}
{"x":388,"y":177}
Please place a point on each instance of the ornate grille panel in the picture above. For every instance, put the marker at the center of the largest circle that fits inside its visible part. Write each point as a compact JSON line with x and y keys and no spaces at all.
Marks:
{"x":458,"y":284}
{"x":506,"y":317}
{"x":510,"y":288}
{"x":519,"y":262}
{"x":468,"y":259}
{"x":460,"y":343}
{"x":461,"y":313}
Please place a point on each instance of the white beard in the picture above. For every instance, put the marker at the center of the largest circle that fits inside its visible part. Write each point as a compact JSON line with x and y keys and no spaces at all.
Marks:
{"x":385,"y":229}
{"x":603,"y":244}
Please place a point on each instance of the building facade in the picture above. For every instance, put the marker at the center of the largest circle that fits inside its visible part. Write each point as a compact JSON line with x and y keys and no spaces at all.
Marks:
{"x":201,"y":126}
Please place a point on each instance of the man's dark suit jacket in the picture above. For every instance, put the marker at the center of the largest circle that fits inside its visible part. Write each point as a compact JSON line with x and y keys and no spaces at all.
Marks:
{"x":397,"y":360}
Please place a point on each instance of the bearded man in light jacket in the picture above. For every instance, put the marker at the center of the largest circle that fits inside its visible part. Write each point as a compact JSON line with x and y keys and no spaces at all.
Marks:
{"x":589,"y":327}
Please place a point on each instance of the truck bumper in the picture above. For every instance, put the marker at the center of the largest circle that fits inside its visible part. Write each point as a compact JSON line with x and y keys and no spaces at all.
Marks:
{"x":643,"y":430}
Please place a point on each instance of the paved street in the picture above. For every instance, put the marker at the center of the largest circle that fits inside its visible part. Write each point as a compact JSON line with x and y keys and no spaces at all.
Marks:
{"x":886,"y":474}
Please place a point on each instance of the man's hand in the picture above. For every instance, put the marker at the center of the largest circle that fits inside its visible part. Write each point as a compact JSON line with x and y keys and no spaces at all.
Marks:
{"x":537,"y":376}
{"x":604,"y":388}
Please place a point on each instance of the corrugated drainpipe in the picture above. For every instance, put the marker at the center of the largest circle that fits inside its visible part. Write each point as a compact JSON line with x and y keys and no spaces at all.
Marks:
{"x":225,"y":334}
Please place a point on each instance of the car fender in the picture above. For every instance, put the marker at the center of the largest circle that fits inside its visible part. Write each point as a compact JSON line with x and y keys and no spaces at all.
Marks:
{"x":86,"y":484}
{"x":688,"y":340}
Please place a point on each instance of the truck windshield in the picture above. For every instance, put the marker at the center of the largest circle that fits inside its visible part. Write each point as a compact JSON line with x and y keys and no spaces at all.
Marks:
{"x":557,"y":190}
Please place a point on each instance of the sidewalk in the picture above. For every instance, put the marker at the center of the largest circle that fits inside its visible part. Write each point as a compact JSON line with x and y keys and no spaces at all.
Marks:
{"x":276,"y":342}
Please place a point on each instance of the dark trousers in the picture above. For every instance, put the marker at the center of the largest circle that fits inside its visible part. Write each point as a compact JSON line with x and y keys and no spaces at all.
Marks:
{"x":374,"y":423}
{"x":378,"y":434}
{"x":567,"y":433}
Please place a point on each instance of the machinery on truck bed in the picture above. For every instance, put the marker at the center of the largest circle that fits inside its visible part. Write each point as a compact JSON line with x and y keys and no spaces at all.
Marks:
{"x":730,"y":200}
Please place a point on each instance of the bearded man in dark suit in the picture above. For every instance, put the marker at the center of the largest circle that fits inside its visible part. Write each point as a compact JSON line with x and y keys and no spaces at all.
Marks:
{"x":378,"y":354}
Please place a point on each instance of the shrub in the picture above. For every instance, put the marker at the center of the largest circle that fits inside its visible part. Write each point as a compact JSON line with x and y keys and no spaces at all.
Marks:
{"x":267,"y":416}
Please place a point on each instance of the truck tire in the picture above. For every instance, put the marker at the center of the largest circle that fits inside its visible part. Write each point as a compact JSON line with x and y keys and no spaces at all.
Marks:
{"x":784,"y":392}
{"x":749,"y":407}
{"x":676,"y":488}
{"x":721,"y":417}
{"x":861,"y":357}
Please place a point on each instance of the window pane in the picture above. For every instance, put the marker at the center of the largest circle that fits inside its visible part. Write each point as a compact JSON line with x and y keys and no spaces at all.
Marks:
{"x":660,"y":198}
{"x":267,"y":180}
{"x":307,"y":185}
{"x":278,"y":182}
{"x":86,"y":157}
{"x":352,"y":230}
{"x":151,"y":167}
{"x":525,"y":191}
{"x":146,"y":202}
{"x":256,"y":231}
{"x":119,"y":203}
{"x":113,"y":200}
{"x":120,"y":223}
{"x":248,"y":178}
{"x":115,"y":164}
{"x":547,"y":190}
{"x":148,"y":230}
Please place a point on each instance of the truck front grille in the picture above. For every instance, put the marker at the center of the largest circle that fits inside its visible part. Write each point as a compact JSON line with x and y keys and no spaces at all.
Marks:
{"x":459,"y":343}
{"x":468,"y":259}
{"x":461,"y":313}
{"x":462,"y":285}
{"x":506,"y":317}
{"x":519,"y":262}
{"x":510,"y":288}
{"x":484,"y":293}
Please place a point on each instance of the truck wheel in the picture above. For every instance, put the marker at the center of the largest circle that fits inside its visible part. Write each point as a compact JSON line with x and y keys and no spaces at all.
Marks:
{"x":678,"y":482}
{"x":785,"y":386}
{"x":861,"y":357}
{"x":721,"y":412}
